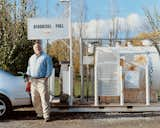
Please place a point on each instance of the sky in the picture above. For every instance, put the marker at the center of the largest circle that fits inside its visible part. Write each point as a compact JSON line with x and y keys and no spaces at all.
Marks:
{"x":99,"y":14}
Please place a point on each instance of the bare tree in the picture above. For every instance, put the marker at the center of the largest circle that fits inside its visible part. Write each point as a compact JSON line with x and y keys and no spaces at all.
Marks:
{"x":153,"y":18}
{"x":115,"y":29}
{"x":81,"y":11}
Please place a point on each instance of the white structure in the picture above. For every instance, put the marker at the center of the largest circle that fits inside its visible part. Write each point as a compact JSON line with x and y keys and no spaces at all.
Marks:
{"x":108,"y":73}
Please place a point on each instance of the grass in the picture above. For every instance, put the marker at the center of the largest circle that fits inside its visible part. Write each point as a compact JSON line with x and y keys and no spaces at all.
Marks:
{"x":76,"y":88}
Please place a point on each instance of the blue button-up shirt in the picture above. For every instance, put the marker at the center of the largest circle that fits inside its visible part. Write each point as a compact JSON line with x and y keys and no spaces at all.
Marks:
{"x":39,"y":66}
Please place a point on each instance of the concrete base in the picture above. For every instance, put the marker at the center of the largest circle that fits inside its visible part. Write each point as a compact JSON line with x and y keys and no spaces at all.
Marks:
{"x":105,"y":108}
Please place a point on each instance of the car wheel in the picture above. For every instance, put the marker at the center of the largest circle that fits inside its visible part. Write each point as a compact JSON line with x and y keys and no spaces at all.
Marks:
{"x":5,"y":107}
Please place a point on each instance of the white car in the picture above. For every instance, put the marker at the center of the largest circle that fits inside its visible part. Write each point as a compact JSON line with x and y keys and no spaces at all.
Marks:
{"x":12,"y":93}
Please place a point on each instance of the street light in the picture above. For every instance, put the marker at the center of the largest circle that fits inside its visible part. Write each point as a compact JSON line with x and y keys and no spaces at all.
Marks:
{"x":71,"y":60}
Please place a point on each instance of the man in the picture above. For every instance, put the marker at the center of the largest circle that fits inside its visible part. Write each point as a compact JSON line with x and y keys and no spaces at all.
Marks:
{"x":39,"y":70}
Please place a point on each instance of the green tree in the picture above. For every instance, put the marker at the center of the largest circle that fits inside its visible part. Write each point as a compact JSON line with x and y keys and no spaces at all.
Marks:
{"x":15,"y":49}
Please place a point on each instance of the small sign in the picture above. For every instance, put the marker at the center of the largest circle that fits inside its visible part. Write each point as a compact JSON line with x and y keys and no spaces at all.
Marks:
{"x":132,"y":79}
{"x":44,"y":28}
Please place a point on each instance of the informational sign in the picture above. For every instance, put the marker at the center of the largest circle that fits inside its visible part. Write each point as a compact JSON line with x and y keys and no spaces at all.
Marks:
{"x":107,"y":71}
{"x":132,"y":79}
{"x":44,"y":28}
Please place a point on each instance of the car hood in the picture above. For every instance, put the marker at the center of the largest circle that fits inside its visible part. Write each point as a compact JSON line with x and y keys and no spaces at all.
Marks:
{"x":7,"y":79}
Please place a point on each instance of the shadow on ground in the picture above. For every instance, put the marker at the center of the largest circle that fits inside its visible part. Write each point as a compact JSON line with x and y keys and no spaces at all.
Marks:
{"x":31,"y":115}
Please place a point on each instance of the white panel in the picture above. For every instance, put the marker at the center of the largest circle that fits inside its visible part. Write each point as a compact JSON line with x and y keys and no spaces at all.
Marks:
{"x":107,"y":63}
{"x":65,"y":82}
{"x":108,"y":88}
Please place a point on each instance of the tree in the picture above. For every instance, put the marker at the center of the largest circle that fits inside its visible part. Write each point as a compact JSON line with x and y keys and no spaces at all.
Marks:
{"x":15,"y":49}
{"x":153,"y":18}
{"x":60,"y":50}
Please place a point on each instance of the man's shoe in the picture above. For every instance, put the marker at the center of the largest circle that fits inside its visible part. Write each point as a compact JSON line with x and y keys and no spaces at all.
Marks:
{"x":39,"y":117}
{"x":47,"y":119}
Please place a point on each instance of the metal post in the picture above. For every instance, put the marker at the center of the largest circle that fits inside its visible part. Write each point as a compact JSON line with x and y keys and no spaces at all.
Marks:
{"x":121,"y":88}
{"x":47,"y":17}
{"x":70,"y":87}
{"x":51,"y":85}
{"x":147,"y":84}
{"x":81,"y":69}
{"x":92,"y":80}
{"x":96,"y":86}
{"x":71,"y":61}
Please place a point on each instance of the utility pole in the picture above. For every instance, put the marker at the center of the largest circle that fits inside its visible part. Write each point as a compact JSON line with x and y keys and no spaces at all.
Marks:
{"x":47,"y":17}
{"x":115,"y":22}
{"x":69,"y":2}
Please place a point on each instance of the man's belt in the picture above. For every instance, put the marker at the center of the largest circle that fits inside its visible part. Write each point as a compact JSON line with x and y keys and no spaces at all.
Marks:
{"x":37,"y":77}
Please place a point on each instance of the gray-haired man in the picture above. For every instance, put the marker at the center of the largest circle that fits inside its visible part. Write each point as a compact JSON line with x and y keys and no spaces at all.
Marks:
{"x":39,"y":69}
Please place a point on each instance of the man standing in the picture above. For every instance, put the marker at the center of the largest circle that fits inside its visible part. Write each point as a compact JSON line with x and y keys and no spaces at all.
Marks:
{"x":39,"y":70}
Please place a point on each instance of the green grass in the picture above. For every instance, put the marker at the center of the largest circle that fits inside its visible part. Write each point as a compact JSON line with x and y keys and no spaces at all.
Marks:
{"x":76,"y":88}
{"x":57,"y":88}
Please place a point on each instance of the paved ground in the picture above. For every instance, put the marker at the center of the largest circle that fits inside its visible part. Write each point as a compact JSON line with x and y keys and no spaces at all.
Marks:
{"x":25,"y":118}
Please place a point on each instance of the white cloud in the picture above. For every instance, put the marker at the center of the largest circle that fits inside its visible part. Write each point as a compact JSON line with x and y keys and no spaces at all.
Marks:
{"x":134,"y":21}
{"x":101,"y":28}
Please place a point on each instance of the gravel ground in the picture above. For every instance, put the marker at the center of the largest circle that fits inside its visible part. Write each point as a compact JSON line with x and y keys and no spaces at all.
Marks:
{"x":25,"y":118}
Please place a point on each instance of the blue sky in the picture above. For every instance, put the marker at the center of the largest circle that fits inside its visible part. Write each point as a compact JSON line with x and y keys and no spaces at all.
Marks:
{"x":99,"y":14}
{"x":99,"y":8}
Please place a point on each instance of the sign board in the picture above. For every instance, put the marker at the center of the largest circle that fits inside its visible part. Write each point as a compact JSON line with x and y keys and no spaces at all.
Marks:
{"x":132,"y":79}
{"x":44,"y":28}
{"x":107,"y":71}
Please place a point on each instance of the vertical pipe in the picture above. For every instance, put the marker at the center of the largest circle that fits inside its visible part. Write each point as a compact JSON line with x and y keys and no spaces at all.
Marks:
{"x":71,"y":57}
{"x":96,"y":86}
{"x":147,"y":84}
{"x":121,"y":88}
{"x":92,"y":80}
{"x":81,"y":68}
{"x":51,"y":84}
{"x":70,"y":87}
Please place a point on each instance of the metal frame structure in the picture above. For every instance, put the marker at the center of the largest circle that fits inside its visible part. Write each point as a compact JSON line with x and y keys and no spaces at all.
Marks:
{"x":100,"y":40}
{"x":121,"y":82}
{"x":121,"y":107}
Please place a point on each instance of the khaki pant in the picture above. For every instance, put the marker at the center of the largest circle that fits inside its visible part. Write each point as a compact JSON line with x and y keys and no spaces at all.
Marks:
{"x":40,"y":97}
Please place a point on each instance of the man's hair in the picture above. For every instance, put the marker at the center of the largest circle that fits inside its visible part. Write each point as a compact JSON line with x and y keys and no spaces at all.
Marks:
{"x":37,"y":42}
